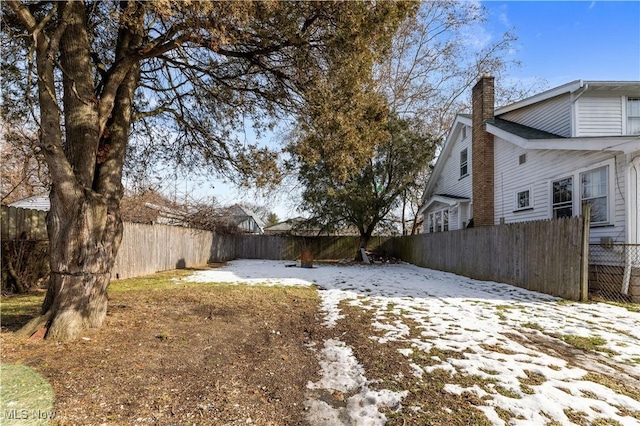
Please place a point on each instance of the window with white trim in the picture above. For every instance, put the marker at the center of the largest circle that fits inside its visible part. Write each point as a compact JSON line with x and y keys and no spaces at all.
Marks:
{"x":464,"y":164}
{"x":523,"y":199}
{"x":594,"y":190}
{"x":592,"y":186}
{"x":633,"y":116}
{"x":438,"y":221}
{"x":562,"y":197}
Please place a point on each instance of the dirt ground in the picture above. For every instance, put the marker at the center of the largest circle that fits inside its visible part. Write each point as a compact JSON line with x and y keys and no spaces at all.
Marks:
{"x":202,"y":354}
{"x":177,"y":353}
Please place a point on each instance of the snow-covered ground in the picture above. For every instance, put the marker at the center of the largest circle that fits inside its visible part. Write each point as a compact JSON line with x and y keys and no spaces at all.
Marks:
{"x":484,"y":320}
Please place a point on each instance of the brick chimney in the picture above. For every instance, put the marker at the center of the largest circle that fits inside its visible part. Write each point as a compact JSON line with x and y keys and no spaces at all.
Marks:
{"x":482,"y":98}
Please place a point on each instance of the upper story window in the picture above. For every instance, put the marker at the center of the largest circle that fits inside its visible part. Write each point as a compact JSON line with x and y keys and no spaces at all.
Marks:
{"x":633,"y":116}
{"x":464,"y":164}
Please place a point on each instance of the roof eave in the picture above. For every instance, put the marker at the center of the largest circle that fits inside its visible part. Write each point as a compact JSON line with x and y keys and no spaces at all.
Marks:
{"x":444,"y":200}
{"x":551,"y":93}
{"x":625,"y":144}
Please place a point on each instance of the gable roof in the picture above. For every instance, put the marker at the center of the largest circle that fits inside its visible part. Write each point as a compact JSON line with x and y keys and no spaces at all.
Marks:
{"x":530,"y":138}
{"x":458,"y":122}
{"x":571,"y":87}
{"x":239,"y":213}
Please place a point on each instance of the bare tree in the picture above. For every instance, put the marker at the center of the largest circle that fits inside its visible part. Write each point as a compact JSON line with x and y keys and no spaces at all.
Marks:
{"x":23,"y":175}
{"x":155,"y":81}
{"x":435,"y":58}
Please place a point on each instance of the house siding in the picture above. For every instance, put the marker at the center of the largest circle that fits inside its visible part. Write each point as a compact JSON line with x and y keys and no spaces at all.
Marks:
{"x":544,"y":166}
{"x":450,"y":182}
{"x":599,"y":115}
{"x":552,"y":115}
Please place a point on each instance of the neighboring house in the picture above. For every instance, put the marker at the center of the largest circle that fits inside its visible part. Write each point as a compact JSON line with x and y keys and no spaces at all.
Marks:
{"x":133,"y":209}
{"x":542,"y":158}
{"x":296,"y":226}
{"x":245,"y":219}
{"x":36,"y":202}
{"x":164,"y":215}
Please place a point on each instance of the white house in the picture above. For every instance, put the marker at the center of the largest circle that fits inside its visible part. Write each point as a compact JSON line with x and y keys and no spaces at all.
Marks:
{"x":542,"y":158}
{"x":245,"y":219}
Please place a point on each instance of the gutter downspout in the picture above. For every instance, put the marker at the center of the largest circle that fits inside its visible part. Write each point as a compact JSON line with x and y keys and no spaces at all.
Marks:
{"x":574,"y":113}
{"x":632,"y":215}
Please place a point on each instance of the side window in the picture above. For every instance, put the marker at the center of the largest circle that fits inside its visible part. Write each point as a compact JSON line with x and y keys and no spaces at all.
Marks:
{"x":523,"y":199}
{"x":562,"y":197}
{"x":593,"y":190}
{"x":464,"y":165}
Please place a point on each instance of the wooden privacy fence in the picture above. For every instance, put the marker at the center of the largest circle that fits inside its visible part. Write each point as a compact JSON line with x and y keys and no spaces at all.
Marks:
{"x":19,"y":224}
{"x":543,"y":256}
{"x":146,"y":249}
{"x":277,"y":247}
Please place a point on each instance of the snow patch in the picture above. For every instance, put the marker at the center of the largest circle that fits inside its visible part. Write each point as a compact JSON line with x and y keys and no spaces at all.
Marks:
{"x":341,"y":374}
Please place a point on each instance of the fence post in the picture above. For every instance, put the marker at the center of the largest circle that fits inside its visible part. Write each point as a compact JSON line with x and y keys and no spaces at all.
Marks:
{"x":584,"y":263}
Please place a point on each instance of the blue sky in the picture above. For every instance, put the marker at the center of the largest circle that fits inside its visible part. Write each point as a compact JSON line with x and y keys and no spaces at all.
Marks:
{"x":562,"y":41}
{"x":558,"y":41}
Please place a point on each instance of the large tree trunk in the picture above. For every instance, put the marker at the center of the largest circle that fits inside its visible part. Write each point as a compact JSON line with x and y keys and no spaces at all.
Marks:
{"x":364,"y":241}
{"x":83,"y":238}
{"x":84,"y":224}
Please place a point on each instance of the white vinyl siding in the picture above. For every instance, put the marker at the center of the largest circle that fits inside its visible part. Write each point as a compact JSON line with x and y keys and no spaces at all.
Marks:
{"x":599,"y":115}
{"x":450,"y":182}
{"x":541,"y":169}
{"x":552,"y":115}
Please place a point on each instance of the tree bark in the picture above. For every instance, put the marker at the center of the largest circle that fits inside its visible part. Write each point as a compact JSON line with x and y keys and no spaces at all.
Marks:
{"x":84,"y":224}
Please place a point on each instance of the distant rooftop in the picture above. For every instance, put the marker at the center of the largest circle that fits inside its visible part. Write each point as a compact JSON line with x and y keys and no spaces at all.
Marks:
{"x":36,"y":202}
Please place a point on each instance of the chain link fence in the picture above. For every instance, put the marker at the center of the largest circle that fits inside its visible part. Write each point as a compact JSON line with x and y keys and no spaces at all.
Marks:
{"x":614,"y":272}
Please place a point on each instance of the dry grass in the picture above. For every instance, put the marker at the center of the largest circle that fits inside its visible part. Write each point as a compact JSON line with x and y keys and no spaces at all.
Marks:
{"x":176,"y":353}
